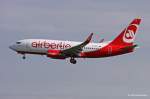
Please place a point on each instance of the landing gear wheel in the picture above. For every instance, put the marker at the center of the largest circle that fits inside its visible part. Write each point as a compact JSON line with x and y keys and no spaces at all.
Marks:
{"x":73,"y":61}
{"x":24,"y":57}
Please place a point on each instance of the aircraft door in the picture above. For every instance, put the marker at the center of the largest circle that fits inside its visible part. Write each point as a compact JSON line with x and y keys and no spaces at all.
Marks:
{"x":109,"y":50}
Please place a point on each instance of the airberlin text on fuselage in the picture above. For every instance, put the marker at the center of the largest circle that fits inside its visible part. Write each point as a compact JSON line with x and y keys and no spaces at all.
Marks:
{"x":48,"y":45}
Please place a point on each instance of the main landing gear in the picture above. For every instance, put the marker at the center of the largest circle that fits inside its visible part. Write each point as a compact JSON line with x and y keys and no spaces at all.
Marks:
{"x":73,"y":61}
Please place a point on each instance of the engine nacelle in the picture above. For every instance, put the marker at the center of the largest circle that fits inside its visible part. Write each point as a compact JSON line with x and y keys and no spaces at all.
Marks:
{"x":56,"y":54}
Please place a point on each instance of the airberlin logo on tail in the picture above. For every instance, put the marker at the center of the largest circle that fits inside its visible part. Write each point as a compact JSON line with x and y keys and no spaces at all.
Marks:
{"x":129,"y":34}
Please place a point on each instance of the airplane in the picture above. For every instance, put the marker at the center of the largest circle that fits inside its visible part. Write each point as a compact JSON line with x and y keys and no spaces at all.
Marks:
{"x":58,"y":49}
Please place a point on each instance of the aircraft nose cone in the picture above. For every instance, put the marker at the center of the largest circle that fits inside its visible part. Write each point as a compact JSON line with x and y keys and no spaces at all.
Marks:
{"x":12,"y":47}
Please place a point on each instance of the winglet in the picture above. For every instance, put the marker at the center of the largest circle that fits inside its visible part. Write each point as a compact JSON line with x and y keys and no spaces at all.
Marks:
{"x":102,"y":40}
{"x":89,"y":38}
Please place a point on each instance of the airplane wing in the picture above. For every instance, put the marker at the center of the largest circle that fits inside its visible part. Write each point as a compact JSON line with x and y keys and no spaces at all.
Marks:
{"x":75,"y":50}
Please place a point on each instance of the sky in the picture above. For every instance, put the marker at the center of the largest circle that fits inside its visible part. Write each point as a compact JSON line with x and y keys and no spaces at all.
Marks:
{"x":39,"y":77}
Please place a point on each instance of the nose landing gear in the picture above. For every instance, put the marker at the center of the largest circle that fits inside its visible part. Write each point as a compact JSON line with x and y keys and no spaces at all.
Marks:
{"x":23,"y":57}
{"x":73,"y":61}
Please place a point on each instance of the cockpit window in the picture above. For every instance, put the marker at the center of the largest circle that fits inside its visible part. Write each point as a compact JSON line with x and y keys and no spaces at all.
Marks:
{"x":18,"y":42}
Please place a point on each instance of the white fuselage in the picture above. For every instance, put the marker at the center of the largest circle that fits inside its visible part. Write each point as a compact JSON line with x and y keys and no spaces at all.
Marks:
{"x":43,"y":45}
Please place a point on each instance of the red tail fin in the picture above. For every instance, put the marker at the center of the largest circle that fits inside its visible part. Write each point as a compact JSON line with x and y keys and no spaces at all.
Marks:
{"x":127,"y":36}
